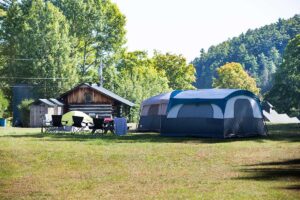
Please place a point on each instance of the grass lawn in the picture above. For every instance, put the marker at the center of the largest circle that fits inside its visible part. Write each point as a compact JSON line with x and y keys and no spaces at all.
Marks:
{"x":148,"y":166}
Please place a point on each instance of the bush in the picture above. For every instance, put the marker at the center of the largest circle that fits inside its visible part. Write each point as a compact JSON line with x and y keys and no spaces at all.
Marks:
{"x":3,"y":104}
{"x":24,"y":108}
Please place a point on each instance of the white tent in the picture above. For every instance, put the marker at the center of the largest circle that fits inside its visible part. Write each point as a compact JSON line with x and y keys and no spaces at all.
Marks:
{"x":273,"y":116}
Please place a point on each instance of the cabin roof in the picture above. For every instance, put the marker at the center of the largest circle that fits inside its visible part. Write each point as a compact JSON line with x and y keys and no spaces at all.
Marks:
{"x":103,"y":91}
{"x":44,"y":101}
{"x":49,"y":102}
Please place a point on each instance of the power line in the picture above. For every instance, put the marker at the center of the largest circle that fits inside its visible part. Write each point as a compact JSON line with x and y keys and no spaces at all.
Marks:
{"x":29,"y":86}
{"x":34,"y":86}
{"x":22,"y":59}
{"x":34,"y":78}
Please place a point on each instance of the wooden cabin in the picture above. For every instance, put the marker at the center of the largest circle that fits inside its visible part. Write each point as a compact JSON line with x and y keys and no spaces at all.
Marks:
{"x":95,"y":100}
{"x":42,"y":107}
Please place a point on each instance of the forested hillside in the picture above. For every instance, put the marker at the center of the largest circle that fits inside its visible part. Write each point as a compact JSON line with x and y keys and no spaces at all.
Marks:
{"x":260,"y":52}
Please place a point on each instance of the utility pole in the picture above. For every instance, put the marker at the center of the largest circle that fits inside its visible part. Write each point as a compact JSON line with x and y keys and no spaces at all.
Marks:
{"x":100,"y":71}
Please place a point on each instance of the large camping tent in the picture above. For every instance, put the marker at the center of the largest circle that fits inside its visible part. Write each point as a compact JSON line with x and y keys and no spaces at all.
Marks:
{"x":218,"y":113}
{"x":153,"y":111}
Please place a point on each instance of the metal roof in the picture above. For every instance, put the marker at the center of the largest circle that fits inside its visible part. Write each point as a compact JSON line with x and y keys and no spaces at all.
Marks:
{"x":103,"y":91}
{"x":110,"y":94}
{"x":47,"y":102}
{"x":55,"y":101}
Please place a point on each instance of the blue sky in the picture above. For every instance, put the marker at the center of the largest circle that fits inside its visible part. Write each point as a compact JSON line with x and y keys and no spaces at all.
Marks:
{"x":186,"y":26}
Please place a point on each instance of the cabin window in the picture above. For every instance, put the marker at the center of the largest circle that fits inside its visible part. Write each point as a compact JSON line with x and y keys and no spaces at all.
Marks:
{"x":88,"y":97}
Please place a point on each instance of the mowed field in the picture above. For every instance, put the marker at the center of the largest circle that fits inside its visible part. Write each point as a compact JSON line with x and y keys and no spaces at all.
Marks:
{"x":148,"y":166}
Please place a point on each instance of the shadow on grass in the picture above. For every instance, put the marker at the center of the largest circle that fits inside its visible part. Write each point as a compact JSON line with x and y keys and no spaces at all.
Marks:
{"x":288,"y":170}
{"x":287,"y":133}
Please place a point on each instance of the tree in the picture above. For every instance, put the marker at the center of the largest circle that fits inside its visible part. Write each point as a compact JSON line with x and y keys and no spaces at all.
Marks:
{"x":264,"y":72}
{"x":232,"y":75}
{"x":275,"y":56}
{"x":247,"y":49}
{"x":180,"y":74}
{"x":3,"y":104}
{"x":37,"y":44}
{"x":136,"y":79}
{"x":24,"y":108}
{"x":98,"y":28}
{"x":285,"y":94}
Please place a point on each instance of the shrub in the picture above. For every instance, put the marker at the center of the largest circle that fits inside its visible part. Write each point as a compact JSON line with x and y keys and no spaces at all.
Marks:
{"x":3,"y":104}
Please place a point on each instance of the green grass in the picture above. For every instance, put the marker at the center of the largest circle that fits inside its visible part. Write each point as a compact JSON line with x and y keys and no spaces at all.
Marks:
{"x":148,"y":166}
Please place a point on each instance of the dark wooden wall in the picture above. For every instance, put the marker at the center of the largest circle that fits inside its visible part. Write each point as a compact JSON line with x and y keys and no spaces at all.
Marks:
{"x":77,"y":96}
{"x":75,"y":100}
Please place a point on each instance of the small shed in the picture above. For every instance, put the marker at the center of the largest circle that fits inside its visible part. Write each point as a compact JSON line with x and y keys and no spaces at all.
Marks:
{"x":95,"y":100}
{"x":42,"y":107}
{"x":59,"y":106}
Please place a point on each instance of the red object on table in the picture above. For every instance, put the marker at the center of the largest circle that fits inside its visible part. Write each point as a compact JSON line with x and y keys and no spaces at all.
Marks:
{"x":106,"y":120}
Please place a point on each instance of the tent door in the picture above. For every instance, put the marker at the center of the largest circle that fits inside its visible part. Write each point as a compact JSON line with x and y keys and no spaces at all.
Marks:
{"x":242,"y":114}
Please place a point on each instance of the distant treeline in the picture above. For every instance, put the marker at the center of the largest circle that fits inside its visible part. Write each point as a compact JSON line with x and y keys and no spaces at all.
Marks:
{"x":260,"y":51}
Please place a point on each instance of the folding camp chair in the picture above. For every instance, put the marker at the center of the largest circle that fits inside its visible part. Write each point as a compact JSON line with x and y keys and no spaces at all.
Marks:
{"x":78,"y":124}
{"x":46,"y":122}
{"x":98,"y":125}
{"x":56,"y":125}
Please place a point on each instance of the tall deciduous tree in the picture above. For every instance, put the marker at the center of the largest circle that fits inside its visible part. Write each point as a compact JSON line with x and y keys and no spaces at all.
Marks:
{"x":285,"y":94}
{"x":98,"y":27}
{"x":180,"y":74}
{"x":136,"y":79}
{"x":37,"y":44}
{"x":232,"y":75}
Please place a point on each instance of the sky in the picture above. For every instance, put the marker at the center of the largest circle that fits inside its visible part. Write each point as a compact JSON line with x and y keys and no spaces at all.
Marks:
{"x":186,"y":26}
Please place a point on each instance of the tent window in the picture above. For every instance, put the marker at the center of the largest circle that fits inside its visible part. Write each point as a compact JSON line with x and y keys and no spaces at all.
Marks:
{"x":153,"y":110}
{"x":145,"y":110}
{"x":242,"y":108}
{"x":196,"y":111}
{"x":163,"y":109}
